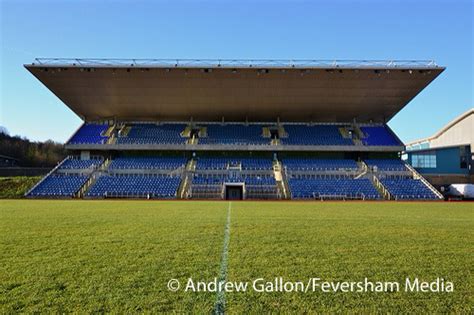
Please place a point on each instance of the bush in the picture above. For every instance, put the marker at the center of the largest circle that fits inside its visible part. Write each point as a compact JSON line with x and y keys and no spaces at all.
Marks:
{"x":16,"y":187}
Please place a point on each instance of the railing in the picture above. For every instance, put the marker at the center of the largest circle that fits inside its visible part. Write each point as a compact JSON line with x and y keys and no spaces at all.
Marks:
{"x":47,"y":175}
{"x":386,"y":194}
{"x":424,"y":181}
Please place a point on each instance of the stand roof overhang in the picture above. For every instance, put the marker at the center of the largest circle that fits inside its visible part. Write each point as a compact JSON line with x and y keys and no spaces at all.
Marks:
{"x":207,"y":90}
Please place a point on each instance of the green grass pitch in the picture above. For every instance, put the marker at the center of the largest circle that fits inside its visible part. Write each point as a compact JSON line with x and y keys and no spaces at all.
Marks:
{"x":118,"y":256}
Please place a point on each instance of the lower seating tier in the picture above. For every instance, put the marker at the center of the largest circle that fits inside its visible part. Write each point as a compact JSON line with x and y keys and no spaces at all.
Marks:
{"x":135,"y":186}
{"x":256,"y":186}
{"x":408,"y":189}
{"x":332,"y":188}
{"x":59,"y":185}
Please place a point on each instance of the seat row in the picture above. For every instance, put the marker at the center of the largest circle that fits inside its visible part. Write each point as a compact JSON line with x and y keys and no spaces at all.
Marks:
{"x":59,"y":185}
{"x":251,"y":180}
{"x":166,"y":163}
{"x":408,"y":188}
{"x":332,"y":188}
{"x":135,"y":186}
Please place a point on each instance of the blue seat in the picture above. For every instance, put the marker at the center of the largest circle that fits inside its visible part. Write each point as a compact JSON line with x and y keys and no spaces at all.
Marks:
{"x":154,"y":134}
{"x":408,"y":189}
{"x":222,"y":163}
{"x":314,"y":135}
{"x":90,"y":133}
{"x":138,"y":186}
{"x":77,"y":164}
{"x":59,"y":185}
{"x":148,"y":163}
{"x":378,"y":135}
{"x":314,"y":164}
{"x":234,"y":134}
{"x":387,"y":164}
{"x":337,"y":187}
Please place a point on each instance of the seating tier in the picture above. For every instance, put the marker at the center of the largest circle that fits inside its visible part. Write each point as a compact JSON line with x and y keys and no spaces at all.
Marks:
{"x":328,"y":187}
{"x":166,"y":163}
{"x":234,"y":135}
{"x":314,"y":135}
{"x":379,"y":136}
{"x":138,"y":186}
{"x":154,"y":134}
{"x":90,"y":133}
{"x":408,"y":188}
{"x":313,"y":164}
{"x":59,"y":185}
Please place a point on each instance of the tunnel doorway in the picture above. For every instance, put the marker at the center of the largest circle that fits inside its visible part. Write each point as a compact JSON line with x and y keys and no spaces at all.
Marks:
{"x":234,"y":192}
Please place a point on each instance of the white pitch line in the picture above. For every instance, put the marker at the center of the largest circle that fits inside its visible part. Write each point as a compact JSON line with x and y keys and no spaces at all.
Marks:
{"x":219,"y":307}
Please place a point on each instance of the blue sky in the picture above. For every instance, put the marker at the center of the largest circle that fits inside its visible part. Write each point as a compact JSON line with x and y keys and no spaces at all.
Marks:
{"x":438,"y":30}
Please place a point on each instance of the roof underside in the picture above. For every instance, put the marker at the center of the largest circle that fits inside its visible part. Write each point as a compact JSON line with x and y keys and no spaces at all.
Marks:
{"x":253,"y":92}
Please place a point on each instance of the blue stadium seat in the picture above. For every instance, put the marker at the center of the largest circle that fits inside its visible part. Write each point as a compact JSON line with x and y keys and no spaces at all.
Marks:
{"x":387,"y":164}
{"x":408,"y":189}
{"x":234,"y":135}
{"x":378,"y":135}
{"x":77,"y":164}
{"x":59,"y":185}
{"x":154,"y":134}
{"x":314,"y":135}
{"x":314,"y":164}
{"x":165,"y":163}
{"x":331,"y":187}
{"x":222,"y":163}
{"x":135,"y":186}
{"x":90,"y":133}
{"x":203,"y":179}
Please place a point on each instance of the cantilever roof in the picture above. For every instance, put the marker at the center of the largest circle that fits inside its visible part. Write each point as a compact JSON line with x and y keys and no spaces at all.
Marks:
{"x":259,"y":90}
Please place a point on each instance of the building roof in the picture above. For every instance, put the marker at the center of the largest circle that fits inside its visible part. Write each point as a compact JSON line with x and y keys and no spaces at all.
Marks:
{"x":460,"y":131}
{"x":238,"y":90}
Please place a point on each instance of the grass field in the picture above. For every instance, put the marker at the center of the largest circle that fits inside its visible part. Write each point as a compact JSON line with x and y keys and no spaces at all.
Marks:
{"x":118,"y":256}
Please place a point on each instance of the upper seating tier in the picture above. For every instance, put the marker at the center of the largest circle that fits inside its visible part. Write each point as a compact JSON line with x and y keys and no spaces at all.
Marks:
{"x":90,"y":133}
{"x":314,"y":135}
{"x":234,"y":134}
{"x":154,"y":134}
{"x":378,"y":136}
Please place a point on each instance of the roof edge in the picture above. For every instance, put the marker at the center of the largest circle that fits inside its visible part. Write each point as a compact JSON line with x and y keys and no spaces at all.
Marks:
{"x":445,"y":128}
{"x":234,"y":63}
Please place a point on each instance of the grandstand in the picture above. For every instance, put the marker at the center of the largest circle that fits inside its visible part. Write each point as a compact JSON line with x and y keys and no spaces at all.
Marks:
{"x":232,"y":129}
